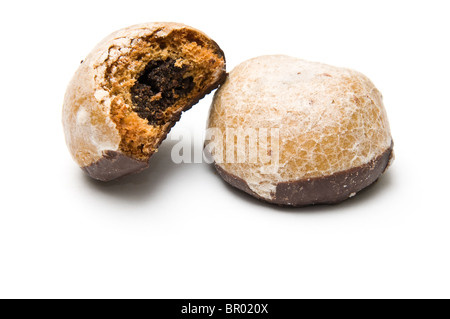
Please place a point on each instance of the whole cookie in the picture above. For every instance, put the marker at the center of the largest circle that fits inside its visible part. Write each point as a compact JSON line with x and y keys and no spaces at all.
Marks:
{"x":297,"y":133}
{"x":131,"y":89}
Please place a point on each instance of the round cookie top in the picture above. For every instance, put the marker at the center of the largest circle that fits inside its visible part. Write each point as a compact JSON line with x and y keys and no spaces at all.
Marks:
{"x":319,"y":119}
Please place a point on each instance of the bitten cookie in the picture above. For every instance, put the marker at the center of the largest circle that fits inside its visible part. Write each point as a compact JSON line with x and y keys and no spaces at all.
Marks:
{"x":130,"y":91}
{"x":297,"y":133}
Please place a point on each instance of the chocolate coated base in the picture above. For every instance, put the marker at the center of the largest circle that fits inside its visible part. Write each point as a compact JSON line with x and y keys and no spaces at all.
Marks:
{"x":114,"y":165}
{"x":320,"y":190}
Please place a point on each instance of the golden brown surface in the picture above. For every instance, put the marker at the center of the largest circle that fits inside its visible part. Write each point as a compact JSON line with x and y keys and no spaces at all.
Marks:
{"x":138,"y":138}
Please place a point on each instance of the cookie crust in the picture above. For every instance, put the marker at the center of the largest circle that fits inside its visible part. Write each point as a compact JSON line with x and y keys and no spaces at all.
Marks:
{"x":99,"y":116}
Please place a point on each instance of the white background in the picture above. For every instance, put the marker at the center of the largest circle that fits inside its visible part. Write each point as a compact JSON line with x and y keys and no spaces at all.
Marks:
{"x":178,"y":231}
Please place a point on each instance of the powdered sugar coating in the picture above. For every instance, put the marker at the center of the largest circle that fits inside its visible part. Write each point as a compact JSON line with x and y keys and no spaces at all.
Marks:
{"x":329,"y":119}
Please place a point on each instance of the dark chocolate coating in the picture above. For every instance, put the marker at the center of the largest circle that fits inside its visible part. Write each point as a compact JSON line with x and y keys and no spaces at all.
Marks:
{"x":331,"y":189}
{"x":114,"y":165}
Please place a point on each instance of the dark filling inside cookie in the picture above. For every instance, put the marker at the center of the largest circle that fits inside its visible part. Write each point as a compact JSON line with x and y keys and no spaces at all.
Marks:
{"x":159,"y":87}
